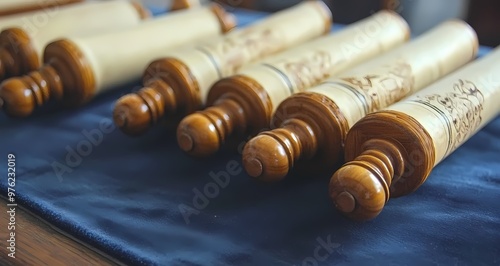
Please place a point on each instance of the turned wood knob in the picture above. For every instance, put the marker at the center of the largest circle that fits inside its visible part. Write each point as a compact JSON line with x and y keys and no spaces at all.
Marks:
{"x":309,"y":134}
{"x":266,"y":158}
{"x":20,"y":96}
{"x":16,"y":99}
{"x":271,"y":155}
{"x":135,"y":113}
{"x":361,"y":188}
{"x":17,"y":53}
{"x":358,"y":192}
{"x":131,"y":115}
{"x":202,"y":133}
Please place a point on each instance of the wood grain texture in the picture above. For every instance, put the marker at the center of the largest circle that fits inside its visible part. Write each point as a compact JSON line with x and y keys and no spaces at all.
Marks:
{"x":308,"y":127}
{"x":162,"y":94}
{"x":67,"y":76}
{"x":238,"y":105}
{"x":39,"y":244}
{"x":389,"y":154}
{"x":17,"y":53}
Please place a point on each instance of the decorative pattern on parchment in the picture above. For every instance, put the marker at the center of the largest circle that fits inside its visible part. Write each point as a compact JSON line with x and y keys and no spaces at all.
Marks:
{"x":244,"y":46}
{"x":463,"y":107}
{"x":308,"y":70}
{"x":384,"y":87}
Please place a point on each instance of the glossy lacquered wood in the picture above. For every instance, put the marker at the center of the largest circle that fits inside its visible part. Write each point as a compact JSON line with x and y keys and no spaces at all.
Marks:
{"x":76,"y":69}
{"x":10,"y":7}
{"x":391,"y":153}
{"x":311,"y":126}
{"x":23,"y":39}
{"x":177,"y":85}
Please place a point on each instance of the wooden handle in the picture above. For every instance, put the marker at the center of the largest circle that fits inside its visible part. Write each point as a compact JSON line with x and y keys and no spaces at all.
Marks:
{"x":134,"y":113}
{"x":66,"y":77}
{"x":311,"y":129}
{"x":204,"y":132}
{"x":201,"y":134}
{"x":19,"y":96}
{"x":375,"y":169}
{"x":392,"y":152}
{"x":270,"y":155}
{"x":23,"y":38}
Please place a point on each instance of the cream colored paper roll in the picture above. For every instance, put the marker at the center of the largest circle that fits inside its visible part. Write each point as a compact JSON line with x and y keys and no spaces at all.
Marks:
{"x":401,"y":72}
{"x":299,"y":68}
{"x":82,"y":18}
{"x":212,"y":61}
{"x":9,"y":7}
{"x":15,"y":4}
{"x":120,"y":57}
{"x":457,"y":106}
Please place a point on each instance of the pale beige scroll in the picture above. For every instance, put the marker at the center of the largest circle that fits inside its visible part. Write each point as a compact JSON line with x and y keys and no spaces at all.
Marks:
{"x":212,"y":61}
{"x":92,"y":17}
{"x":120,"y":57}
{"x":401,"y":72}
{"x":457,"y":106}
{"x":304,"y":66}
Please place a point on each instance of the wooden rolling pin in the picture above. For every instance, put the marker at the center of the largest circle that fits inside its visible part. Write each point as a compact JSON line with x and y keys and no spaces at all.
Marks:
{"x":392,"y":152}
{"x":244,"y":103}
{"x":178,"y":84}
{"x":21,"y":46}
{"x":312,"y":125}
{"x":76,"y":69}
{"x":9,"y":7}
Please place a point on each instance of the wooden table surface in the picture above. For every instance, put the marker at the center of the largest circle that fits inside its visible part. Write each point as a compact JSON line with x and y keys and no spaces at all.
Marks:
{"x":37,"y":243}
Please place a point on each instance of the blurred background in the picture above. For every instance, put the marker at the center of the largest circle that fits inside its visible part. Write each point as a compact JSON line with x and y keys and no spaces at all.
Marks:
{"x":482,"y":15}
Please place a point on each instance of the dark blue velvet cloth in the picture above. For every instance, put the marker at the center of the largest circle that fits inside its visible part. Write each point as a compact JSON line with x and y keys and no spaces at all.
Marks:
{"x":138,"y":199}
